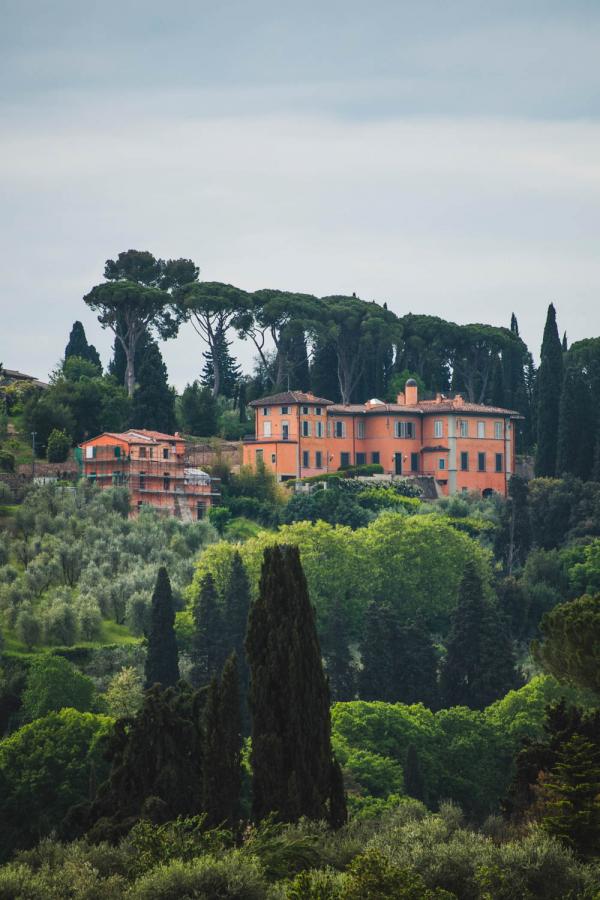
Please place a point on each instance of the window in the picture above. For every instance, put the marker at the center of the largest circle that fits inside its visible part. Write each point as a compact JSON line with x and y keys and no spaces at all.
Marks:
{"x":405,"y":429}
{"x":361,"y":459}
{"x":273,"y":458}
{"x":305,"y":459}
{"x":305,"y":410}
{"x":266,"y":411}
{"x":318,"y":411}
{"x":464,"y":428}
{"x":259,"y":457}
{"x":90,"y":452}
{"x":285,"y":410}
{"x":360,"y":429}
{"x":165,"y":452}
{"x":92,"y":476}
{"x":375,"y":457}
{"x":118,"y":478}
{"x":344,"y":460}
{"x":267,"y":429}
{"x":464,"y":462}
{"x":414,"y":462}
{"x":441,"y":463}
{"x":438,"y":428}
{"x":142,"y":481}
{"x":340,"y":429}
{"x":200,"y":510}
{"x":319,"y":429}
{"x":481,"y":429}
{"x":285,"y":431}
{"x":318,"y":460}
{"x":117,"y":451}
{"x":305,"y":429}
{"x":498,"y":430}
{"x":142,"y":453}
{"x":151,"y":452}
{"x":481,"y":462}
{"x":166,"y":482}
{"x":499,"y":462}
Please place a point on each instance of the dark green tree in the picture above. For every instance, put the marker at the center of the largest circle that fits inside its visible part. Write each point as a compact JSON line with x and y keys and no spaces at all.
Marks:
{"x":377,"y":650}
{"x":78,"y":346}
{"x":338,"y":659}
{"x":229,"y":371}
{"x":323,"y":367}
{"x":293,"y":770}
{"x":222,"y":748}
{"x":575,"y":448}
{"x":198,"y":411}
{"x":415,"y":666}
{"x":414,"y":785}
{"x":479,"y":666}
{"x":236,"y":606}
{"x":156,"y":766}
{"x":207,"y":639}
{"x":548,"y":390}
{"x":162,"y":663}
{"x":153,"y":404}
{"x":513,"y":537}
{"x":572,"y":809}
{"x":570,"y":645}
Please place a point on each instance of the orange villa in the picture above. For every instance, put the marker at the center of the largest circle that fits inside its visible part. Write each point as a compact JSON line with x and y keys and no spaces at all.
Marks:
{"x":463,"y":446}
{"x":152,"y":466}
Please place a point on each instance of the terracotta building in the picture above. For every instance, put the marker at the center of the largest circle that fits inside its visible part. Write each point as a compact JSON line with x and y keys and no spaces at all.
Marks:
{"x":153,"y":467}
{"x":463,"y":446}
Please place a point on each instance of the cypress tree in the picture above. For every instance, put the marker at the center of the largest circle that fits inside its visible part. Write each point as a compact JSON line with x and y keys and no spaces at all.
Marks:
{"x":565,"y":346}
{"x":338,"y":659}
{"x":156,"y":765}
{"x":415,"y":666}
{"x":162,"y":665}
{"x":292,"y":764}
{"x":207,"y":639}
{"x":236,"y":604}
{"x":229,"y":371}
{"x":413,"y":777}
{"x":575,"y":450}
{"x":548,"y":390}
{"x":377,"y":676}
{"x":323,"y":369}
{"x":153,"y":400}
{"x":479,"y":664}
{"x":221,"y":784}
{"x":497,"y":390}
{"x":78,"y":346}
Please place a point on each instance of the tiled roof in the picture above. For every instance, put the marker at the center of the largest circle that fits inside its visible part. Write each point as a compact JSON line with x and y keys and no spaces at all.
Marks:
{"x":423,"y":406}
{"x":291,"y":397}
{"x":138,"y":436}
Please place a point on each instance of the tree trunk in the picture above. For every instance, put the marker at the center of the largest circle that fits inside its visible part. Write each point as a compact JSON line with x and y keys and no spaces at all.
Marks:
{"x":130,"y":370}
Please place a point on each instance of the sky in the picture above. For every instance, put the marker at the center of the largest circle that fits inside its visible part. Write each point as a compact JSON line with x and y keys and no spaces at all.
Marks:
{"x":443,"y":157}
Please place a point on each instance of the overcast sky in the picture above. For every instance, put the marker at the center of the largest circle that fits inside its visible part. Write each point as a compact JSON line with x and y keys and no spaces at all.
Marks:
{"x":441,"y":156}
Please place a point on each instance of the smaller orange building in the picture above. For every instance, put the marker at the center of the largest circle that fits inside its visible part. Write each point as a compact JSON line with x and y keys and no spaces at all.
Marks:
{"x":152,"y":466}
{"x":463,"y":446}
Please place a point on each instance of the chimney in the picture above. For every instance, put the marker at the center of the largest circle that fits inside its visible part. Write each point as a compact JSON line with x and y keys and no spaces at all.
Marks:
{"x":412,"y":392}
{"x":459,"y":400}
{"x":400,"y":399}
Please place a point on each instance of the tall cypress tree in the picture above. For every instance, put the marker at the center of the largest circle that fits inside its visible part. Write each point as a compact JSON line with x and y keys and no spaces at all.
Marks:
{"x":153,"y":401}
{"x":323,"y":372}
{"x":198,"y":410}
{"x":294,"y":773}
{"x":376,"y":678}
{"x":575,"y":450}
{"x":415,"y":666}
{"x":207,"y":639}
{"x":236,"y":605}
{"x":221,"y":783}
{"x":78,"y":346}
{"x":162,"y":664}
{"x":548,"y":390}
{"x":338,"y":659}
{"x":479,"y":665}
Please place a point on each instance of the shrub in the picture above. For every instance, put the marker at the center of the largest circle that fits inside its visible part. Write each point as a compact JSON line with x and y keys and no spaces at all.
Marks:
{"x":7,"y":460}
{"x":52,"y":684}
{"x":232,"y":876}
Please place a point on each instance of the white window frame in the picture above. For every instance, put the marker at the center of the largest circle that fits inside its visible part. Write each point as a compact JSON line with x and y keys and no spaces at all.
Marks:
{"x":319,"y":429}
{"x":438,"y":428}
{"x":360,"y":429}
{"x":498,"y":430}
{"x":266,"y":411}
{"x":267,"y":429}
{"x":405,"y":429}
{"x":342,"y":428}
{"x":464,"y":428}
{"x":305,"y":428}
{"x":442,"y":464}
{"x":481,"y":430}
